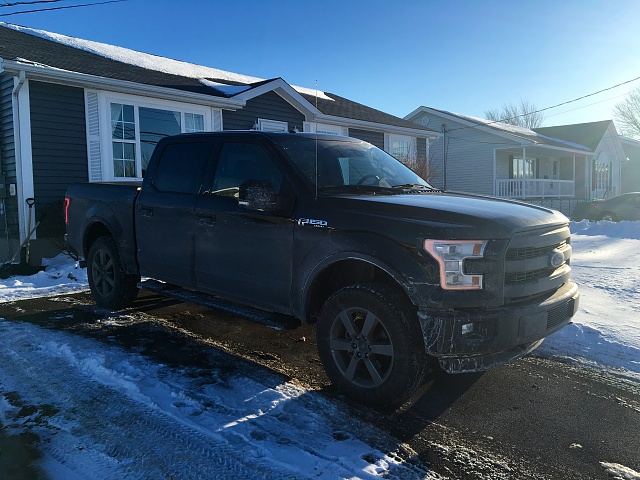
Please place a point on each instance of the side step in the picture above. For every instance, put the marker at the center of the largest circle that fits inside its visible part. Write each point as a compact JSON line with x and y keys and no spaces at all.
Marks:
{"x":270,"y":319}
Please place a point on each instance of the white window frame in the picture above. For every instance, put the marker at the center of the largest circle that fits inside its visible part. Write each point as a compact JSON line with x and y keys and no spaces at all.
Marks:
{"x":391,"y":138}
{"x":212,"y":118}
{"x":265,"y":125}
{"x":325,"y":128}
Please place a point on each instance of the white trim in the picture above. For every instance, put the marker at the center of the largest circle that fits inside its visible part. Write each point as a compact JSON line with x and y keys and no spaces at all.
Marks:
{"x":24,"y":153}
{"x":495,"y":170}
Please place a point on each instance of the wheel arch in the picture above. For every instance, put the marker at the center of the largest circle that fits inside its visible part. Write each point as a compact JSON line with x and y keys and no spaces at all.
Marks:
{"x":342,"y":270}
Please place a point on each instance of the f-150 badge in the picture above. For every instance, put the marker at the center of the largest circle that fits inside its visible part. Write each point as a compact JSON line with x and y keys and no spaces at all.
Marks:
{"x":312,"y":223}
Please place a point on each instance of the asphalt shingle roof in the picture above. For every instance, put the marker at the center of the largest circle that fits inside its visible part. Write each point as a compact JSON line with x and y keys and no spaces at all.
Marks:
{"x":23,"y":46}
{"x":588,"y":134}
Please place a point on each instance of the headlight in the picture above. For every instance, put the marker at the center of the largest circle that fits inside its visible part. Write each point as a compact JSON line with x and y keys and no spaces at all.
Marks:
{"x":451,"y":256}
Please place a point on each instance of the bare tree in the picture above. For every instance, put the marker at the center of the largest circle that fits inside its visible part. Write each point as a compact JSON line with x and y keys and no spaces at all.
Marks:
{"x":627,"y":114}
{"x":523,"y":114}
{"x":422,"y":166}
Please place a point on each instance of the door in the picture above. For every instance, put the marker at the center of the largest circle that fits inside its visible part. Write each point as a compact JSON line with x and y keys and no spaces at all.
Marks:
{"x":164,"y":213}
{"x":243,"y":255}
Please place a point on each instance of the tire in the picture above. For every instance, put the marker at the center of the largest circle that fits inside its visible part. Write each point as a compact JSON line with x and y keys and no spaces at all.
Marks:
{"x":371,"y":345}
{"x":110,"y":286}
{"x":609,"y":217}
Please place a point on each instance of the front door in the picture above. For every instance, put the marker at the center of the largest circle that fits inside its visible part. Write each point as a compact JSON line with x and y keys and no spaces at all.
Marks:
{"x":164,"y":213}
{"x":243,"y":255}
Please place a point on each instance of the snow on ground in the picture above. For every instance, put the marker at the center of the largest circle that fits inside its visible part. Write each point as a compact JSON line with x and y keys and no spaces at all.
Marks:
{"x":606,"y":329}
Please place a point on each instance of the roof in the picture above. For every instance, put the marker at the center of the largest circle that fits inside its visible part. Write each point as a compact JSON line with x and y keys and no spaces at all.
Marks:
{"x":588,"y":134}
{"x":38,"y":47}
{"x":539,"y":138}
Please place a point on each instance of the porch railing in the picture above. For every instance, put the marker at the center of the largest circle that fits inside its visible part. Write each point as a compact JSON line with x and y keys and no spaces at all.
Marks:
{"x":535,"y":188}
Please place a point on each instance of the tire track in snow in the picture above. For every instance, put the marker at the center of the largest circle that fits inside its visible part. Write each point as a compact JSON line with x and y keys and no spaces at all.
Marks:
{"x":97,"y":408}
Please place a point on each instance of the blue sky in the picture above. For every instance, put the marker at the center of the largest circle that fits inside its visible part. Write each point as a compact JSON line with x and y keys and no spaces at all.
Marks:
{"x":461,"y":56}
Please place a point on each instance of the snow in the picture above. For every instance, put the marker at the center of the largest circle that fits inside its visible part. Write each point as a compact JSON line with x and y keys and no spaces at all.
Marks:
{"x":151,"y":62}
{"x":229,"y":90}
{"x":249,"y":425}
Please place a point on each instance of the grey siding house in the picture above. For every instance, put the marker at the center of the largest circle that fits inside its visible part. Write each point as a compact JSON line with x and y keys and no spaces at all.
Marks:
{"x":491,"y":158}
{"x":73,"y":110}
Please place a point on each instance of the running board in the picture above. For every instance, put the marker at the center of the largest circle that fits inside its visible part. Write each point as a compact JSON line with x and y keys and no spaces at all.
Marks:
{"x":270,"y":319}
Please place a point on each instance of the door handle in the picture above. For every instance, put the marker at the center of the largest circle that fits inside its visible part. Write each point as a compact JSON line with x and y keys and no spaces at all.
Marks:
{"x":145,"y":211}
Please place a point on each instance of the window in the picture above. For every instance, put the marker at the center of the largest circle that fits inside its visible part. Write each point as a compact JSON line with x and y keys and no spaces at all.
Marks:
{"x":325,"y":128}
{"x":272,"y":125}
{"x":135,"y":131}
{"x":402,"y":147}
{"x":240,"y":162}
{"x":181,"y":167}
{"x":521,"y":168}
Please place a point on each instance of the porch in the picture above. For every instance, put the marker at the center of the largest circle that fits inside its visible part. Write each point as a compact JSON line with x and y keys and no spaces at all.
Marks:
{"x":539,"y":172}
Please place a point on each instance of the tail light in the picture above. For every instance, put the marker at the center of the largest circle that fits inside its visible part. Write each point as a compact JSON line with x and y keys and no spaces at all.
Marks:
{"x":67,"y":203}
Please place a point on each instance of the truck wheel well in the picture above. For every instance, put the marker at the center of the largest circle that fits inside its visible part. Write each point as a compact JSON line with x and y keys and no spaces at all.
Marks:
{"x":341,"y":274}
{"x":94,"y":231}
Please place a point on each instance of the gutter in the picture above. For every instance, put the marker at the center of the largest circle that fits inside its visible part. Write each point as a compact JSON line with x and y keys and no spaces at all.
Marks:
{"x":349,"y":122}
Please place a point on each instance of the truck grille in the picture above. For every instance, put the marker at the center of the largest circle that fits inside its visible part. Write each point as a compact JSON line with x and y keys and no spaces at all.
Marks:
{"x":533,"y":266}
{"x":559,"y":314}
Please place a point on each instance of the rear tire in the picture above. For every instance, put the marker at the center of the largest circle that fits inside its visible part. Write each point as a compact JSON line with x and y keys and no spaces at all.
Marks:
{"x":110,"y":286}
{"x":371,"y":345}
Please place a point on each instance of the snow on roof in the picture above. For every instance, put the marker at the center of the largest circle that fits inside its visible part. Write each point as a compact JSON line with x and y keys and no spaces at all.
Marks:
{"x":520,"y":131}
{"x":152,"y":62}
{"x":229,"y":90}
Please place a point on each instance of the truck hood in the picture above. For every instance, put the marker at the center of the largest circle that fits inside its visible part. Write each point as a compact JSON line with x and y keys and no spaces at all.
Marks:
{"x":457,"y":215}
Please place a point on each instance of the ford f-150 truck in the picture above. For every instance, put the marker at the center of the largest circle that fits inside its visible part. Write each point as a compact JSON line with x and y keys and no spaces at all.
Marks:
{"x":332,"y":230}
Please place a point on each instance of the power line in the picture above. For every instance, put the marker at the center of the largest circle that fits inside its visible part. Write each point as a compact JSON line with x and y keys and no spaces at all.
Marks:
{"x":60,"y":8}
{"x":14,"y":4}
{"x":547,"y":108}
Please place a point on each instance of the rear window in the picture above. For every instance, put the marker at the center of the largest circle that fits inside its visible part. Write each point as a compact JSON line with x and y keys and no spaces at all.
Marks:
{"x":181,"y":167}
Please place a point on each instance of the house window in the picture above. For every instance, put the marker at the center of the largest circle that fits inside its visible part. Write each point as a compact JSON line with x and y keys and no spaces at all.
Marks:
{"x":325,"y":128}
{"x":136,"y":130}
{"x":402,"y":147}
{"x":521,"y":168}
{"x":272,"y":126}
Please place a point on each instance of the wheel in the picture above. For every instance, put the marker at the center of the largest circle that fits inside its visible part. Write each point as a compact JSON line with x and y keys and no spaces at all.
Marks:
{"x":371,"y":345}
{"x":110,"y":286}
{"x":609,"y":217}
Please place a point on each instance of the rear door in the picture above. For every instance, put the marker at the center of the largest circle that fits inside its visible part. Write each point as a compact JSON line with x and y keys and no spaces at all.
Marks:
{"x":164,"y":213}
{"x":244,"y":255}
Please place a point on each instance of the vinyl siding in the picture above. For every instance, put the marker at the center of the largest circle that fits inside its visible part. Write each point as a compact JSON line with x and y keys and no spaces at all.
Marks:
{"x":469,"y":156}
{"x":59,"y":145}
{"x":374,"y":138}
{"x":7,"y":151}
{"x":269,"y":106}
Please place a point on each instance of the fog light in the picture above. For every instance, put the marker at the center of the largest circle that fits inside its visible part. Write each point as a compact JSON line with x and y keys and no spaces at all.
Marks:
{"x":466,"y":328}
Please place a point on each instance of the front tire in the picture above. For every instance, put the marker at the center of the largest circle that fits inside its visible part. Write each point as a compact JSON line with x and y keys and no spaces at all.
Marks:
{"x":110,"y":286}
{"x":371,"y":345}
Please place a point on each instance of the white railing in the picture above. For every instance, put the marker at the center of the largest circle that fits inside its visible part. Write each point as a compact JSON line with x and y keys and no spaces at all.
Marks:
{"x":535,"y":188}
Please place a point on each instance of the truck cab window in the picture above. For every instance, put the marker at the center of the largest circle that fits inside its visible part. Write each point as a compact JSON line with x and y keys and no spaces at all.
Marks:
{"x":181,"y":167}
{"x":240,"y":162}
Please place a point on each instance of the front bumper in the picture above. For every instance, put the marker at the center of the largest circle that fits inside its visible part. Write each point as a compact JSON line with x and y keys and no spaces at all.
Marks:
{"x":474,"y":340}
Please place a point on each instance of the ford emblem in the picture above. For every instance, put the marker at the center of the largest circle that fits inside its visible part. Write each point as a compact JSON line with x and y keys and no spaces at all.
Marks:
{"x":556,"y":259}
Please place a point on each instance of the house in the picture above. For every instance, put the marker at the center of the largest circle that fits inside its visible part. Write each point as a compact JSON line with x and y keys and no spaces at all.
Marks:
{"x":609,"y":155}
{"x":492,"y":158}
{"x":631,"y":169}
{"x":73,"y":110}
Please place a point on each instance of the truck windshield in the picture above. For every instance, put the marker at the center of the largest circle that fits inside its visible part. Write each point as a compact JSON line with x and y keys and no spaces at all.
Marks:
{"x":349,"y":165}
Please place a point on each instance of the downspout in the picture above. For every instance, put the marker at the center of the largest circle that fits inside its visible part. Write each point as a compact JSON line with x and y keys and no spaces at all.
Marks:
{"x":18,"y":136}
{"x":444,"y":157}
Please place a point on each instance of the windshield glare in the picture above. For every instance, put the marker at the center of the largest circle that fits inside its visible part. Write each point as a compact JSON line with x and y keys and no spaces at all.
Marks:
{"x":346,"y":163}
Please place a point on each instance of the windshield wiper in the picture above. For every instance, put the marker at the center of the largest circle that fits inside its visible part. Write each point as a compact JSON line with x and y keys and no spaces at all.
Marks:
{"x":413,"y":186}
{"x":375,"y":189}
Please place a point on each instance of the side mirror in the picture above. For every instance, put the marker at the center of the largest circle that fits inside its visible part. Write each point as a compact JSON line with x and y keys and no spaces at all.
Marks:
{"x":259,"y":195}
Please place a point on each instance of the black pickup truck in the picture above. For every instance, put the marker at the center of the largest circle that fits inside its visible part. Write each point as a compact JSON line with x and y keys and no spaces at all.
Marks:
{"x":332,"y":230}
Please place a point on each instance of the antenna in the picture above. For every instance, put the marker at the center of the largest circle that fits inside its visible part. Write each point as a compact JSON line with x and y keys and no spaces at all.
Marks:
{"x":315,"y":118}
